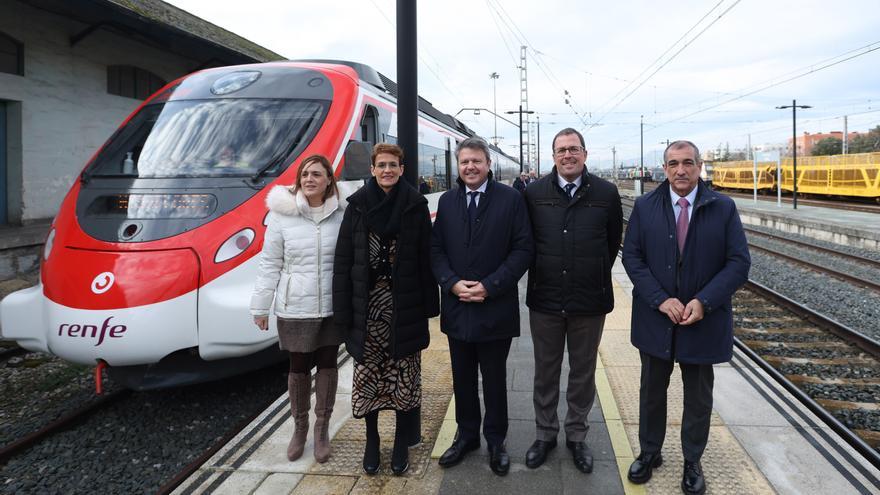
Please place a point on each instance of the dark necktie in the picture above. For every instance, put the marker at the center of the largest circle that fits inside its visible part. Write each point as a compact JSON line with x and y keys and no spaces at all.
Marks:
{"x":681,"y":227}
{"x":569,"y":188}
{"x":472,"y":206}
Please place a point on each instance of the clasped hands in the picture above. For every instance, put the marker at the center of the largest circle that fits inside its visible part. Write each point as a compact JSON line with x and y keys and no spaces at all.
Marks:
{"x":469,"y":291}
{"x":680,"y":314}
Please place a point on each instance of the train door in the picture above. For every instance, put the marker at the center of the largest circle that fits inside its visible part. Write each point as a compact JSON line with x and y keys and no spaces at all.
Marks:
{"x":370,"y":126}
{"x":3,"y":195}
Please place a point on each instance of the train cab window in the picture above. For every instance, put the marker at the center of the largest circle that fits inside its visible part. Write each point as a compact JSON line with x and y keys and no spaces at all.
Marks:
{"x":210,"y":138}
{"x":132,"y":82}
{"x":370,"y":126}
{"x":11,"y":55}
{"x":432,"y":169}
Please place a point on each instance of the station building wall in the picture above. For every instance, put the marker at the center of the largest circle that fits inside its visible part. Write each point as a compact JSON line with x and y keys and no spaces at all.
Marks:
{"x":59,"y":112}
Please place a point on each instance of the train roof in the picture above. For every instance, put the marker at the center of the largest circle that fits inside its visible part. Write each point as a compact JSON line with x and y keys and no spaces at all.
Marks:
{"x":384,"y":83}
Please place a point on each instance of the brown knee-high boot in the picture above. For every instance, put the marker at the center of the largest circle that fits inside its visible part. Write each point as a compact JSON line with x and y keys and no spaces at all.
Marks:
{"x":325,"y":397}
{"x":299,"y":390}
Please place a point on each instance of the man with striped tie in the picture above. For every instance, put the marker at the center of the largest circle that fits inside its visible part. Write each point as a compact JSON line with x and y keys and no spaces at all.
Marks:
{"x":686,"y":254}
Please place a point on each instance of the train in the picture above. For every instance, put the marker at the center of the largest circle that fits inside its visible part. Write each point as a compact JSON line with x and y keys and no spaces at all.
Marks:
{"x":844,"y":176}
{"x":148,"y":267}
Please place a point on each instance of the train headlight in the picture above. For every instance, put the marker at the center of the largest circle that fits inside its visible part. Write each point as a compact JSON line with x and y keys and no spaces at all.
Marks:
{"x":235,"y":245}
{"x":50,"y":241}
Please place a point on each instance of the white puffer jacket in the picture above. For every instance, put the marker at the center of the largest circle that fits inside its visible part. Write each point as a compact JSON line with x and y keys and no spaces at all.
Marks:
{"x":296,"y":264}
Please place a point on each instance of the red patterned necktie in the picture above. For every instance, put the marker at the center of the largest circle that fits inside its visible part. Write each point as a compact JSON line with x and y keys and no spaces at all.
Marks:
{"x":681,"y":226}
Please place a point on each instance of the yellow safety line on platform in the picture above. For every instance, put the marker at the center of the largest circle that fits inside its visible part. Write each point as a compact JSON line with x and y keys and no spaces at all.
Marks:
{"x":623,"y":452}
{"x":446,"y":435}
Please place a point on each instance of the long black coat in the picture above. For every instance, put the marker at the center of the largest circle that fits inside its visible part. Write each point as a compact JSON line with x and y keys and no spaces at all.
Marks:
{"x":714,"y":264}
{"x":576,"y":243}
{"x":497,"y":254}
{"x":414,"y":290}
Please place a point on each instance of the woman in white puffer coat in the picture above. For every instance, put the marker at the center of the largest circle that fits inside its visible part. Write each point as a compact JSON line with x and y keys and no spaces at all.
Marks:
{"x":296,"y":270}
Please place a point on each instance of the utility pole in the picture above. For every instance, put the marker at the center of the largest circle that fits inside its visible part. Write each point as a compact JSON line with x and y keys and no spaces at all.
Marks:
{"x":494,"y":77}
{"x":794,"y":177}
{"x":538,"y":171}
{"x":520,"y":112}
{"x":641,"y":147}
{"x":845,"y":136}
{"x":523,"y":99}
{"x":614,"y":164}
{"x":407,"y":89}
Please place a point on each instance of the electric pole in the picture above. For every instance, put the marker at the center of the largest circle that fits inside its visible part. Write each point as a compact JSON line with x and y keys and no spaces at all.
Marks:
{"x":794,"y":177}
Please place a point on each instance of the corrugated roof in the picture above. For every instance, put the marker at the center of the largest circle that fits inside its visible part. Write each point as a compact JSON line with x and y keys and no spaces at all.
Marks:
{"x":169,"y":15}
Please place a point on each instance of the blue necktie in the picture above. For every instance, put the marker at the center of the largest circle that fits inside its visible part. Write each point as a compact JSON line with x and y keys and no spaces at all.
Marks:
{"x":569,"y":188}
{"x":472,"y":206}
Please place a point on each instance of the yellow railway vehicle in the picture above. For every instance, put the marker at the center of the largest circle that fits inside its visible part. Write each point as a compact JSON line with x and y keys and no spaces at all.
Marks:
{"x":740,"y":175}
{"x":856,"y":175}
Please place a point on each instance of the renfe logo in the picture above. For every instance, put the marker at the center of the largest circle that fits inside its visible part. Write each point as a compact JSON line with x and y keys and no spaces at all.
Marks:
{"x":77,"y":330}
{"x":103,"y":282}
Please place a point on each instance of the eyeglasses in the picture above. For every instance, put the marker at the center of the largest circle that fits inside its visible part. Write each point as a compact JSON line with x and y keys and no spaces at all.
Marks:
{"x":574,"y":150}
{"x":388,"y":165}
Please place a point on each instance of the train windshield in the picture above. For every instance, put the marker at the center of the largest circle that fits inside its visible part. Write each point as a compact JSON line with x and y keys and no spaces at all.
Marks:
{"x":210,"y":138}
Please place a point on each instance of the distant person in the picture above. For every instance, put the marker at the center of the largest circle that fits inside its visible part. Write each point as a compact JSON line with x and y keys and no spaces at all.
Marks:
{"x":424,"y":188}
{"x":481,"y":246}
{"x":577,"y":222}
{"x":298,"y":249}
{"x":686,"y":254}
{"x":383,"y":294}
{"x":533,"y":176}
{"x":520,"y":182}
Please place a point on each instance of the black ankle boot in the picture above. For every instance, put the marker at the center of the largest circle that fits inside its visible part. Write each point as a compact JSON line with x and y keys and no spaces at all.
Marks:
{"x":371,"y":451}
{"x":402,"y":435}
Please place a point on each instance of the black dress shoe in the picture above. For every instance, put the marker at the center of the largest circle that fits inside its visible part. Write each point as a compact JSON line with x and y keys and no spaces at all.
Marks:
{"x":537,"y":453}
{"x":400,"y":458}
{"x":692,"y":481}
{"x":641,"y":469}
{"x":583,"y":460}
{"x":499,"y":461}
{"x":456,"y":452}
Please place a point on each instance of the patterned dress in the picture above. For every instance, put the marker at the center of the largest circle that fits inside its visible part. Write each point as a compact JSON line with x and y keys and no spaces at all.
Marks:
{"x":381,"y":382}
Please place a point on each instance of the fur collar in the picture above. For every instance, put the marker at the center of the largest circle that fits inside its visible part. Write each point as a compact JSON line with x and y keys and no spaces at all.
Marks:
{"x":287,"y":200}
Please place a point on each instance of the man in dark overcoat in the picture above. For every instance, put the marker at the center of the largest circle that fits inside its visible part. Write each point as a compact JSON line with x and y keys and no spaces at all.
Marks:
{"x":686,"y":254}
{"x":577,"y":223}
{"x":481,"y":246}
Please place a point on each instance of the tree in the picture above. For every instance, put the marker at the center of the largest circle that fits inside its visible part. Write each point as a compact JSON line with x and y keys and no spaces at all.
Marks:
{"x":866,"y":142}
{"x":828,"y":146}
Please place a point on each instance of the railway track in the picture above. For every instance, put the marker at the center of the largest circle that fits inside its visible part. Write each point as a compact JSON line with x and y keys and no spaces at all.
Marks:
{"x":834,"y":370}
{"x":64,"y":423}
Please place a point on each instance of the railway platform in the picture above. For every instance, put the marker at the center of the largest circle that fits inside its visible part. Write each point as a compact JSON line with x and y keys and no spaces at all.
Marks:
{"x":761,"y":441}
{"x":851,"y":228}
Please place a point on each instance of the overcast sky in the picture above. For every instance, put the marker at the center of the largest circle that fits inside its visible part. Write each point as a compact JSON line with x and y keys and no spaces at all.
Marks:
{"x":711,"y":55}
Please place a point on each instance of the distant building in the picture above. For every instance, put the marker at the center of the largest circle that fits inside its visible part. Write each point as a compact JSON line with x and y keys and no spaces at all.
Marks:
{"x":72,"y":70}
{"x":806,"y":142}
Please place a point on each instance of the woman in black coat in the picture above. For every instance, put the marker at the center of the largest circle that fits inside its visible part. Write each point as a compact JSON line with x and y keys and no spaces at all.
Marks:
{"x":383,"y":294}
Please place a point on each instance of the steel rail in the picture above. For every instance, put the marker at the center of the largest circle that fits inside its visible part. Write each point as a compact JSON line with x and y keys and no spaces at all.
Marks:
{"x":856,"y":442}
{"x":853,"y":257}
{"x":819,"y":268}
{"x":61,"y":424}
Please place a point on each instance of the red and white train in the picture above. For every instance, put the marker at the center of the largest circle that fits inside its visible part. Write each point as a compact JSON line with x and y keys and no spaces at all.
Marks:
{"x":150,"y":262}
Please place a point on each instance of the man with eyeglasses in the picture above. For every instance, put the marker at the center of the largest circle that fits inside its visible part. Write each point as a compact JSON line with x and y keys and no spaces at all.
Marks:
{"x":577,"y":223}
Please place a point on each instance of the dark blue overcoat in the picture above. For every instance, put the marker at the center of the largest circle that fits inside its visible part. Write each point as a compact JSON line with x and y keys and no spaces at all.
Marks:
{"x":497,"y":253}
{"x":715,"y":263}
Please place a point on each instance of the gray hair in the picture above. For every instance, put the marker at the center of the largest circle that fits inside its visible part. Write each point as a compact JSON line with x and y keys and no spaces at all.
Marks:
{"x":474,"y":143}
{"x":683,"y":144}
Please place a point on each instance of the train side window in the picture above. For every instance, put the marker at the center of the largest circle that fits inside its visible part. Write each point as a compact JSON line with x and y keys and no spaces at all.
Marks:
{"x":132,"y":82}
{"x":11,"y":55}
{"x":357,"y":160}
{"x":370,"y":126}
